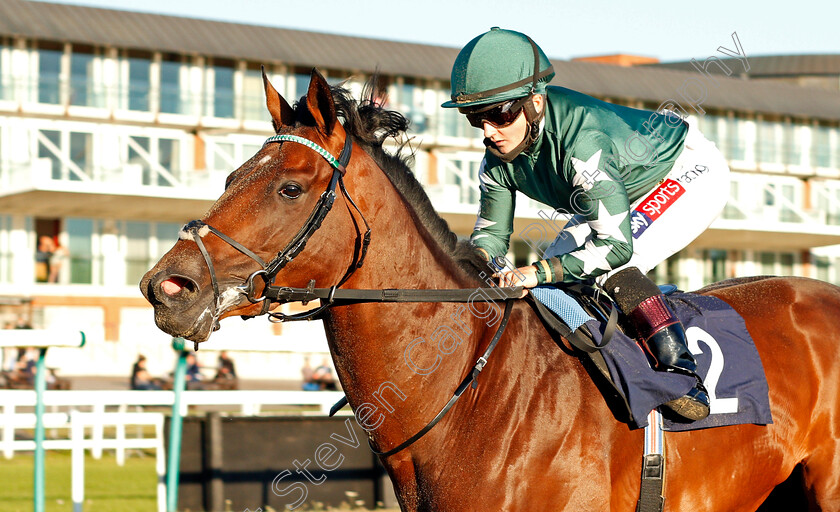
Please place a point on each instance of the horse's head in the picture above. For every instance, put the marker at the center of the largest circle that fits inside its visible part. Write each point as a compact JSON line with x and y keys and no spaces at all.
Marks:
{"x":210,"y":271}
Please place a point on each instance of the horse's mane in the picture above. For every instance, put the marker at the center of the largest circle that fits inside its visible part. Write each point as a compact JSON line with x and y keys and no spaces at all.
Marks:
{"x":371,"y":125}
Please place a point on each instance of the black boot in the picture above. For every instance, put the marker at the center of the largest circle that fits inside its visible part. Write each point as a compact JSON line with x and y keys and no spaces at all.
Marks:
{"x":663,"y":338}
{"x":661,"y":335}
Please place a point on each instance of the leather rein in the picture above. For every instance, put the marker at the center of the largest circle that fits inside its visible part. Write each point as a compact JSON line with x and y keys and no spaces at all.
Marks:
{"x":333,"y":296}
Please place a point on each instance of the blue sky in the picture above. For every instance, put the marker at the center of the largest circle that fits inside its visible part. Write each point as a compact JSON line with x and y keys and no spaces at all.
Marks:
{"x":666,"y":30}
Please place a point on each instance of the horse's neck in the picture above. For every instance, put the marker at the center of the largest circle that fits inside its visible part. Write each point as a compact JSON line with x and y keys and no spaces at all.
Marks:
{"x":402,"y":355}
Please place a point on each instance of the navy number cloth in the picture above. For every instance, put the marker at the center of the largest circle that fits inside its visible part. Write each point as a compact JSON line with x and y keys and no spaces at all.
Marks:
{"x":726,"y":359}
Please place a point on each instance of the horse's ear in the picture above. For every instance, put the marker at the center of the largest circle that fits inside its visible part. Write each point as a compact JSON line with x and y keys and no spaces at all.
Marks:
{"x":320,"y":102}
{"x":281,"y":113}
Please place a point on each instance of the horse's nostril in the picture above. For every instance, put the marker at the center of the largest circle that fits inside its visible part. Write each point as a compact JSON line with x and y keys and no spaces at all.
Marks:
{"x":175,"y":284}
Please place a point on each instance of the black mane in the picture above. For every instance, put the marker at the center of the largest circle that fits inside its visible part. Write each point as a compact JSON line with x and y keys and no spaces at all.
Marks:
{"x":371,"y":125}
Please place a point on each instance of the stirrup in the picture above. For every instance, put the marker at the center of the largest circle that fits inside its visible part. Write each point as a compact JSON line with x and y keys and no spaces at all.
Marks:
{"x":692,"y":406}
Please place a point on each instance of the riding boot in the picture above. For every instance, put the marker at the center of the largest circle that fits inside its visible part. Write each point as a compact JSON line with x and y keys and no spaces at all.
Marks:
{"x":661,"y":335}
{"x":663,"y":338}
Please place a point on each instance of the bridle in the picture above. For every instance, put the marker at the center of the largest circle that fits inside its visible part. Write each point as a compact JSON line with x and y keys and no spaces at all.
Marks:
{"x":268,"y":271}
{"x":333,"y":296}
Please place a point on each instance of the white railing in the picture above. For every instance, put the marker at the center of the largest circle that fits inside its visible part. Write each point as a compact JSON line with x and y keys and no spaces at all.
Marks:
{"x":249,"y":402}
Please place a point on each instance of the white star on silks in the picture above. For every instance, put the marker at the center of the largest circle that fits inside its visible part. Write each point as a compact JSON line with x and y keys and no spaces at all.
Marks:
{"x":594,"y":257}
{"x":587,"y":173}
{"x":609,"y":225}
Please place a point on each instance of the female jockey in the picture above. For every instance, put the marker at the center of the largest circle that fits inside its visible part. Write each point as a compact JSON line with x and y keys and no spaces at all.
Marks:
{"x":638,"y":185}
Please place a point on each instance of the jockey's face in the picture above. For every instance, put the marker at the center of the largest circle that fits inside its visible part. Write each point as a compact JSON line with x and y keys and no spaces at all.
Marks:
{"x":509,"y":137}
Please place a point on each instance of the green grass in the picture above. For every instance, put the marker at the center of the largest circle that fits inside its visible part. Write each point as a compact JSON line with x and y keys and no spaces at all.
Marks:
{"x":108,"y":487}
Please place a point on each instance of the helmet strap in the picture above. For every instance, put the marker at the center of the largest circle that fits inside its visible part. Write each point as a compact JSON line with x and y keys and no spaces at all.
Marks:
{"x":533,"y":118}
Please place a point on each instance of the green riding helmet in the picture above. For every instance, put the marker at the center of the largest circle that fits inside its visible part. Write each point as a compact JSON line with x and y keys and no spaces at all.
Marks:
{"x":497,"y":66}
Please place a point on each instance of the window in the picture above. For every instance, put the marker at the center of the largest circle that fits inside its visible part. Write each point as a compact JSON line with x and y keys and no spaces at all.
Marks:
{"x":769,"y":145}
{"x":171,"y":99}
{"x":49,"y":76}
{"x":82,"y":81}
{"x":735,"y":148}
{"x":301,"y":86}
{"x":83,"y":266}
{"x":49,"y":147}
{"x":223,"y":91}
{"x":70,"y":154}
{"x":145,"y":243}
{"x":253,"y":96}
{"x":410,"y":104}
{"x":5,"y":249}
{"x":716,"y":259}
{"x":137,"y":254}
{"x":139,"y":85}
{"x":823,"y":265}
{"x":768,"y":263}
{"x":821,"y":154}
{"x":159,"y":159}
{"x":792,"y":145}
{"x":708,"y":125}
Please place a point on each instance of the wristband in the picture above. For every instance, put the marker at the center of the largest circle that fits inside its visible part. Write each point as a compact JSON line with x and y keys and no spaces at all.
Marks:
{"x":540,"y":272}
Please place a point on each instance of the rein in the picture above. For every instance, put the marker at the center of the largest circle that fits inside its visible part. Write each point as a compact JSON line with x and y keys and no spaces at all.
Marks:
{"x":334,"y":296}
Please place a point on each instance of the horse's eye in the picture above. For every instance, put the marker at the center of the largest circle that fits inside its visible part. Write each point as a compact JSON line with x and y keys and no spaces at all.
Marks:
{"x":291,"y":191}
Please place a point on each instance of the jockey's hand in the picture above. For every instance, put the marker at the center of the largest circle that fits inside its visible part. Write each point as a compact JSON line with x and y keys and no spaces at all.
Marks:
{"x":523,"y":276}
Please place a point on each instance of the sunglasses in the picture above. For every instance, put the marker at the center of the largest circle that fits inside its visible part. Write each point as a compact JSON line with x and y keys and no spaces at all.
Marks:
{"x":499,"y":115}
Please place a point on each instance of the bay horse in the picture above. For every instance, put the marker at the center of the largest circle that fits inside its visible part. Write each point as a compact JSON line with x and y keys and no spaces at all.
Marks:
{"x":535,"y":434}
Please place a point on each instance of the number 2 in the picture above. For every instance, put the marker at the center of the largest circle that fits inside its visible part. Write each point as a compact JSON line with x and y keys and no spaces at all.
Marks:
{"x":718,"y":405}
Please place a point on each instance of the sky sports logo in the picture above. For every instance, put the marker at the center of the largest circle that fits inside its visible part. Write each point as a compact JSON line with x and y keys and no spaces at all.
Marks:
{"x":654,"y":205}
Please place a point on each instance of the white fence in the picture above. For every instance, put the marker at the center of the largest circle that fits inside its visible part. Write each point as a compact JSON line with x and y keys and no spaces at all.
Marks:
{"x":249,"y":403}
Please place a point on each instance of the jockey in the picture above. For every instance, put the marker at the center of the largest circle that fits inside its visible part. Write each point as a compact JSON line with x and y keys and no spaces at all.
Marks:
{"x":638,"y":185}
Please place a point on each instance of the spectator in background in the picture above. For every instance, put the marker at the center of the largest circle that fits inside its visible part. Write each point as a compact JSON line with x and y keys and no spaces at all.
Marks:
{"x":323,"y":375}
{"x":59,"y":255}
{"x":194,"y":377}
{"x":226,"y":368}
{"x":140,"y":378}
{"x":43,"y":255}
{"x":306,"y":373}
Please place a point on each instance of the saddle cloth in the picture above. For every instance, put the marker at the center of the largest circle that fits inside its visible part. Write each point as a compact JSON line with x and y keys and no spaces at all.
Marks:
{"x":727,"y":360}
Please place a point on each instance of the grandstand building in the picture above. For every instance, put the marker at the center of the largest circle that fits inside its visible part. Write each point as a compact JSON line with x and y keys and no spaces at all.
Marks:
{"x":117,"y":127}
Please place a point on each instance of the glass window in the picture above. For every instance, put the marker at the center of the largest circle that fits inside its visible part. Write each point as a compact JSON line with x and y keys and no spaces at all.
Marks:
{"x":786,"y":259}
{"x":49,"y":147}
{"x":82,"y":80}
{"x":735,"y":148}
{"x":167,"y":235}
{"x":410,"y":104}
{"x":792,"y":145}
{"x":301,"y":86}
{"x":80,"y":236}
{"x":223,"y":91}
{"x":139,"y":85}
{"x":822,"y":265}
{"x":768,"y":263}
{"x":5,"y":249}
{"x":821,"y":147}
{"x":253,"y":96}
{"x":768,"y":144}
{"x":221,"y":156}
{"x":81,"y":154}
{"x":717,"y":265}
{"x":137,"y":253}
{"x":708,"y":125}
{"x":169,"y":157}
{"x":49,"y":76}
{"x":138,"y":154}
{"x":170,"y":88}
